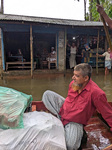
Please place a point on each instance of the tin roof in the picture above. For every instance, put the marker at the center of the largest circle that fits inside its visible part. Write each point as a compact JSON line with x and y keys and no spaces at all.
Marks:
{"x":66,"y":22}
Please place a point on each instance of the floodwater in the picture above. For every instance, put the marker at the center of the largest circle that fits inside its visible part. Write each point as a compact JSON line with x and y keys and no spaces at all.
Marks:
{"x":56,"y":82}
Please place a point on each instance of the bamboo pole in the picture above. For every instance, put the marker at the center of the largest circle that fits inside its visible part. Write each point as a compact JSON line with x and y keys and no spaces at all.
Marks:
{"x":1,"y":64}
{"x":65,"y":52}
{"x":31,"y":50}
{"x":56,"y":50}
{"x":108,"y":147}
{"x":97,"y":53}
{"x":106,"y":29}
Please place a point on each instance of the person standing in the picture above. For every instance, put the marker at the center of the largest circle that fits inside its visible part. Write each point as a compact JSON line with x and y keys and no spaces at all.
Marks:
{"x":107,"y":60}
{"x":87,"y":52}
{"x":84,"y":97}
{"x":73,"y":50}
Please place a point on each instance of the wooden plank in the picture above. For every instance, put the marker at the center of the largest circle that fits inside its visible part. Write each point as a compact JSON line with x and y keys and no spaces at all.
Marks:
{"x":99,"y":135}
{"x":20,"y":65}
{"x":19,"y":62}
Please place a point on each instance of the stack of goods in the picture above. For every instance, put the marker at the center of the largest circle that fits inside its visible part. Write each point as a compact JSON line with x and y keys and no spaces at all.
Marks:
{"x":32,"y":130}
{"x":12,"y":106}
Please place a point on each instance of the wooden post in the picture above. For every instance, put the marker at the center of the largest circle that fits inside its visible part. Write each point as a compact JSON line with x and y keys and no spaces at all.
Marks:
{"x":97,"y":53}
{"x":31,"y":50}
{"x":1,"y":65}
{"x":56,"y":49}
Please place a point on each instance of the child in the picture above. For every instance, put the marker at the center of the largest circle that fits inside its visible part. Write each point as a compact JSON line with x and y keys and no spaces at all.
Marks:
{"x":107,"y":60}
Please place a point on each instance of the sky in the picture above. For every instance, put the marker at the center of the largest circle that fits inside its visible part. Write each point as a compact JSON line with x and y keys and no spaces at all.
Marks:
{"x":64,"y":9}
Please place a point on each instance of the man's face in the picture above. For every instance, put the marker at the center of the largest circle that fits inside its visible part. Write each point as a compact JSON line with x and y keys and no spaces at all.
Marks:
{"x":79,"y":80}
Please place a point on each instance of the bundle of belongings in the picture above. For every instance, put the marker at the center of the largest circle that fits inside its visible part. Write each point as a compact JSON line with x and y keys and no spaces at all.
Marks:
{"x":27,"y":131}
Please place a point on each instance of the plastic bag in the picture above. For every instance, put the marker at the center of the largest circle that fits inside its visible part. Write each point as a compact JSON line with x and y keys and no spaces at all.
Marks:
{"x":42,"y":131}
{"x":12,"y":106}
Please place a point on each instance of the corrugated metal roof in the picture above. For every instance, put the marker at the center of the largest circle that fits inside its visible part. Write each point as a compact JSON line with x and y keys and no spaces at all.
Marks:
{"x":7,"y":17}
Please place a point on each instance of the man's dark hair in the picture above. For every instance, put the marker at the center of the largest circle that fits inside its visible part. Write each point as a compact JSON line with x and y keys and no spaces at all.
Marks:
{"x":85,"y":68}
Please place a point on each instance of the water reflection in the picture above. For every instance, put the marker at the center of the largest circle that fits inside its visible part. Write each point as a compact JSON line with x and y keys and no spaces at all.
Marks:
{"x":57,"y":83}
{"x":105,"y":83}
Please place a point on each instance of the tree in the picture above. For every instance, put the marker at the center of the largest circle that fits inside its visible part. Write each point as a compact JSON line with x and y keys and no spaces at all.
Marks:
{"x":2,"y":6}
{"x":90,"y":8}
{"x":85,"y":9}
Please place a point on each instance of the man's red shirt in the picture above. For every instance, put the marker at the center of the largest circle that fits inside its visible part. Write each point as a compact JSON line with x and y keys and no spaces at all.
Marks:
{"x":79,"y":107}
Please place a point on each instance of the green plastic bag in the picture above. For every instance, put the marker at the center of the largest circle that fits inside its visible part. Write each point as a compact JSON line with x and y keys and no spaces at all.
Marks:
{"x":12,"y":106}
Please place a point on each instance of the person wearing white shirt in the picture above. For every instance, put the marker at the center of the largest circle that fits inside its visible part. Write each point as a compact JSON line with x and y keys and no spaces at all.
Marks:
{"x":107,"y":60}
{"x":73,"y":50}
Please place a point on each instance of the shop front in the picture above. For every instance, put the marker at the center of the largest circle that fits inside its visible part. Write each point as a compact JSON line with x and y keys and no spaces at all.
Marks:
{"x":43,"y":43}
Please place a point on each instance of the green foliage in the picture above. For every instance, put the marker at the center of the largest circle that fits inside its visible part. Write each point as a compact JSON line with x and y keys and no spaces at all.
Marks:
{"x":107,"y":4}
{"x":87,"y":16}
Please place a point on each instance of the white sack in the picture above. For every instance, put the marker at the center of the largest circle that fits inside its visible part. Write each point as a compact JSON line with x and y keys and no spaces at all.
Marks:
{"x":42,"y":131}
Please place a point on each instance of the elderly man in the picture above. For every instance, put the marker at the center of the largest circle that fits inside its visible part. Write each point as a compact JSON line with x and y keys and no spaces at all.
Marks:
{"x":84,"y":97}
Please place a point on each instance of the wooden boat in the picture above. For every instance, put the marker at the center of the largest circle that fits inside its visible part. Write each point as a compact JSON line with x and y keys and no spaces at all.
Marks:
{"x":99,"y":136}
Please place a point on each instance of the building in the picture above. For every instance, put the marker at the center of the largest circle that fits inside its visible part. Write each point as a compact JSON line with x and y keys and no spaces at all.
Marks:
{"x":33,"y":35}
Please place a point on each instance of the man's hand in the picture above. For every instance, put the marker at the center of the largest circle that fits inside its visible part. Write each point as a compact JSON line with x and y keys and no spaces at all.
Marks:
{"x":100,"y":9}
{"x":102,"y":12}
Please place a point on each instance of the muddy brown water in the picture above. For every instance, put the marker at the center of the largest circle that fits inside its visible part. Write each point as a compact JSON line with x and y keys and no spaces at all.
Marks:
{"x":57,"y":83}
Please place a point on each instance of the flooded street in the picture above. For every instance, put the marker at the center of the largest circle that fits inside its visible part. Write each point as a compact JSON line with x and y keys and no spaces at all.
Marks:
{"x":57,"y":83}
